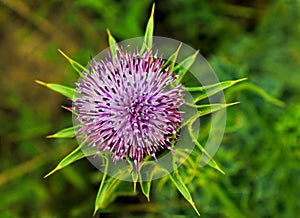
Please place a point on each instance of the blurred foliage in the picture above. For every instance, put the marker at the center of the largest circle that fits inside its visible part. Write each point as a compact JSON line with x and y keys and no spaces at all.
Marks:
{"x":260,"y":151}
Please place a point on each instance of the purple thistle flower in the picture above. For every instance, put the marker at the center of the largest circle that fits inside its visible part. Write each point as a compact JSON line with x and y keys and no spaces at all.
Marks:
{"x":127,"y":105}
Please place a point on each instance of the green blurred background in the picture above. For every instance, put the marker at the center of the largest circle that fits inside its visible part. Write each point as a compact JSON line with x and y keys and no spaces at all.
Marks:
{"x":260,"y":153}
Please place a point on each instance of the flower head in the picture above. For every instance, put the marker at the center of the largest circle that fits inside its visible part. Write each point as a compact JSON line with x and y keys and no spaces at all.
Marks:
{"x":127,"y":105}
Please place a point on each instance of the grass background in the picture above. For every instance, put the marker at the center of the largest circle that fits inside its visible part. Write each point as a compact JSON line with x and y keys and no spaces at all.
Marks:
{"x":260,"y":152}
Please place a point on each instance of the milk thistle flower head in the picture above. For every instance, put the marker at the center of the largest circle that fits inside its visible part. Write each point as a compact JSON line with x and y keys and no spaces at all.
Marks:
{"x":128,"y":106}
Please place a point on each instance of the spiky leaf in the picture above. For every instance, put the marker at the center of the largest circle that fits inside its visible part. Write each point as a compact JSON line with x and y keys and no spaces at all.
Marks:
{"x":178,"y":182}
{"x":209,"y":90}
{"x":110,"y":189}
{"x":76,"y":66}
{"x":211,"y":108}
{"x":112,"y":44}
{"x":147,"y":44}
{"x":64,"y":90}
{"x":185,"y":65}
{"x":77,"y":154}
{"x":224,"y":85}
{"x":146,"y":179}
{"x":172,"y":59}
{"x":262,"y":93}
{"x":65,"y":133}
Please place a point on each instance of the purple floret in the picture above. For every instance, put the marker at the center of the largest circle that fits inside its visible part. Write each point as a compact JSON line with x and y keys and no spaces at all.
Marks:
{"x":127,"y":106}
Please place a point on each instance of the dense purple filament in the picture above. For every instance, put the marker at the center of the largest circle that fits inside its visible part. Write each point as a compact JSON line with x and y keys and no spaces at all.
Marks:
{"x":127,"y":106}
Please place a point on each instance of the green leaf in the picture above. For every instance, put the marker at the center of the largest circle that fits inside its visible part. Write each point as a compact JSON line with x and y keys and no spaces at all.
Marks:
{"x":105,"y":190}
{"x":109,"y":190}
{"x":204,"y":110}
{"x":98,"y":198}
{"x":210,"y":90}
{"x":200,"y":147}
{"x":77,"y":154}
{"x":112,"y":44}
{"x":147,"y":44}
{"x":211,"y":163}
{"x":178,"y":182}
{"x":64,"y":90}
{"x":259,"y":91}
{"x":74,"y":156}
{"x":190,"y":162}
{"x":65,"y":133}
{"x":211,"y":108}
{"x":185,"y":65}
{"x":146,"y":179}
{"x":223,"y":85}
{"x":172,"y":59}
{"x":145,"y":187}
{"x":76,"y":66}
